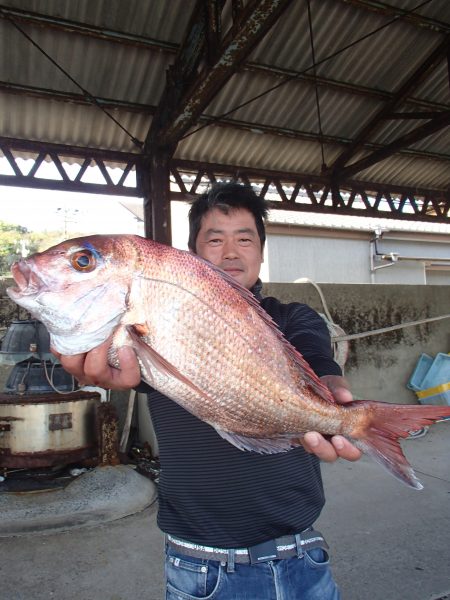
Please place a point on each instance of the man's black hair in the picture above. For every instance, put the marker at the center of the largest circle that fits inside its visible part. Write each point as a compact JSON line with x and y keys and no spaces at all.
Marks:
{"x":227,"y":196}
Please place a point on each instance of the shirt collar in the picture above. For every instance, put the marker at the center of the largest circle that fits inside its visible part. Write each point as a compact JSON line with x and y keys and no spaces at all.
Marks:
{"x":256,"y":289}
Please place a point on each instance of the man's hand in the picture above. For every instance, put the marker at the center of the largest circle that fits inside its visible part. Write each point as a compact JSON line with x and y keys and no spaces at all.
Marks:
{"x":92,"y":368}
{"x":338,"y":446}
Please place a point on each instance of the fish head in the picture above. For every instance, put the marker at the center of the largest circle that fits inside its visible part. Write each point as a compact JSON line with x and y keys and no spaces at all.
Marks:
{"x":78,"y":289}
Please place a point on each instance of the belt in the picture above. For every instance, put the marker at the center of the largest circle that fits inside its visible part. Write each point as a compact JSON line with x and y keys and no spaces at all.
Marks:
{"x":283,"y":547}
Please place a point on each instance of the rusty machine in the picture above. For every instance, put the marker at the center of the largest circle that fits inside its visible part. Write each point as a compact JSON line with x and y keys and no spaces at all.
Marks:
{"x":46,"y":421}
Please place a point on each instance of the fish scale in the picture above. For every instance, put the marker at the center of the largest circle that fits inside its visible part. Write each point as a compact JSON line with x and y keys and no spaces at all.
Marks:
{"x":203,"y":341}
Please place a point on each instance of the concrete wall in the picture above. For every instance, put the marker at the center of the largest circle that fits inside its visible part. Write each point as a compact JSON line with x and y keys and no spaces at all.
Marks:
{"x":378,"y":367}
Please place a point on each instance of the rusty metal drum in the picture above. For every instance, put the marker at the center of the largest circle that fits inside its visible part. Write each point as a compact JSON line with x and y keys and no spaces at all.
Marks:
{"x":42,"y":430}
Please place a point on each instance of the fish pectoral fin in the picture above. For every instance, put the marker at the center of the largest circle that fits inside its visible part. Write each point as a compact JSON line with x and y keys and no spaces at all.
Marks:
{"x":261,"y":445}
{"x":150,"y":358}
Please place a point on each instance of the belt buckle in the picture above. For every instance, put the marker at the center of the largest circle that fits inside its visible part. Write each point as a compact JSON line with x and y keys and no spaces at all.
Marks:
{"x":263,"y":552}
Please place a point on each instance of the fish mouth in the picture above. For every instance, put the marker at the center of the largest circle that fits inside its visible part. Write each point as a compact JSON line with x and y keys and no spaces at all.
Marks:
{"x":28,"y":283}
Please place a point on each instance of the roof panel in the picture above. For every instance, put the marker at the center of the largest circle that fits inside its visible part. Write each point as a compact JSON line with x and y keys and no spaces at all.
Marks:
{"x":291,"y":105}
{"x":70,"y":124}
{"x":128,"y":68}
{"x":107,"y":70}
{"x":260,"y":151}
{"x":157,"y":19}
{"x":350,"y":43}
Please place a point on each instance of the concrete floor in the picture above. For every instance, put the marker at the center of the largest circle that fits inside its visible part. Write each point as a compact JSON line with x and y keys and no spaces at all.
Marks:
{"x":388,"y":542}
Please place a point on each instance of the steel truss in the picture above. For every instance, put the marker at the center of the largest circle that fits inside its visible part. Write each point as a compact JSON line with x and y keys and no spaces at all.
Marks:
{"x":309,"y":193}
{"x":284,"y":191}
{"x":62,"y":157}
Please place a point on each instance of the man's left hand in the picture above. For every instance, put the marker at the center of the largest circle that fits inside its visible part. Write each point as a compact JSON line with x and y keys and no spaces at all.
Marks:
{"x":337,"y":446}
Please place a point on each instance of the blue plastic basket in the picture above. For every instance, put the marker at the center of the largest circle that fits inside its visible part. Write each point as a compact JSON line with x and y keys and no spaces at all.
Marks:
{"x":438,"y":373}
{"x":439,"y":394}
{"x":423,"y":365}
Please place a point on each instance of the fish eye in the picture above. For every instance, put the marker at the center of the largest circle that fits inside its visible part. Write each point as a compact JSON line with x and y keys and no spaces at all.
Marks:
{"x":83,"y":260}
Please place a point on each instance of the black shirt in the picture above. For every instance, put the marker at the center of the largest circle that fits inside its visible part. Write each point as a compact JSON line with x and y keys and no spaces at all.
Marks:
{"x":213,"y":494}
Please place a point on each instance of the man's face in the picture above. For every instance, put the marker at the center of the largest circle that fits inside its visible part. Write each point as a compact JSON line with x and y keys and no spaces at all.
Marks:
{"x":231,"y":242}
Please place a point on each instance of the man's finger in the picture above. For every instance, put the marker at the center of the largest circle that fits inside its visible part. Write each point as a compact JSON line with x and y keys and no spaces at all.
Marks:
{"x":330,"y":451}
{"x":96,"y":366}
{"x":316,"y":444}
{"x":339,"y":387}
{"x":129,"y":374}
{"x":345,"y":449}
{"x":74,"y":364}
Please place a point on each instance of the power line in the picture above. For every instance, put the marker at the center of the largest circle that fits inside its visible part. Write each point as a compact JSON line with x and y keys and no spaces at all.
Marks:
{"x":289,"y":78}
{"x":86,"y":94}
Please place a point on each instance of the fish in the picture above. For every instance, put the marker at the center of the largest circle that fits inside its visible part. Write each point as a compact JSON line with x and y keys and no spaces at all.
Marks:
{"x":204,"y":341}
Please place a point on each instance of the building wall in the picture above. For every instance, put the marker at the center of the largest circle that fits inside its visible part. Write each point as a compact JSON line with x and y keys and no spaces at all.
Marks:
{"x":318,"y":258}
{"x":335,"y":256}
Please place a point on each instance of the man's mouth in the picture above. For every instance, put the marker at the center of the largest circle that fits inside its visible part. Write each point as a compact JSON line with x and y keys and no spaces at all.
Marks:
{"x":233,"y":271}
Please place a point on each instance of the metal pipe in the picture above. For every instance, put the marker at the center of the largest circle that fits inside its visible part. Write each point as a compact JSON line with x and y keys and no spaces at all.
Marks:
{"x":393,"y":257}
{"x":417,"y":258}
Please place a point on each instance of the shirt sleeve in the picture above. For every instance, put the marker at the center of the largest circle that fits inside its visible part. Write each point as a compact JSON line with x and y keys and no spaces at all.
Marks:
{"x":307,"y":331}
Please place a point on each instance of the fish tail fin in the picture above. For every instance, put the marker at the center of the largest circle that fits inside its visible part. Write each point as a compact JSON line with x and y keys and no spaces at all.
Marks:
{"x":389,"y":423}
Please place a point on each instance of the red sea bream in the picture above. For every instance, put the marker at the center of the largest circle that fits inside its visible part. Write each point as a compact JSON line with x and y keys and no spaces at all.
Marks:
{"x":204,"y":341}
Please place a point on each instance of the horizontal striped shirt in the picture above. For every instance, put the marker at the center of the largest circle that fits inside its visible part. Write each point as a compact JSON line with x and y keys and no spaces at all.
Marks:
{"x":214,"y":494}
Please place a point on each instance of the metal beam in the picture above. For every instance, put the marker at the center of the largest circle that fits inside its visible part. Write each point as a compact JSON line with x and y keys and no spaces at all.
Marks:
{"x":154,"y":180}
{"x":171,"y":123}
{"x":120,"y":37}
{"x":181,"y":74}
{"x":67,"y":186}
{"x":73,"y":98}
{"x":109,"y":156}
{"x":315,"y":137}
{"x":436,"y":124}
{"x":285,"y":191}
{"x":110,"y":35}
{"x":411,"y":17}
{"x":315,"y":193}
{"x":433,"y":60}
{"x":339,"y":86}
{"x":59,"y":154}
{"x":109,"y":103}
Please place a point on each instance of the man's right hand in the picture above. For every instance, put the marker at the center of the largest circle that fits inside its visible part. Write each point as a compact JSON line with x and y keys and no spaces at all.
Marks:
{"x":92,"y":368}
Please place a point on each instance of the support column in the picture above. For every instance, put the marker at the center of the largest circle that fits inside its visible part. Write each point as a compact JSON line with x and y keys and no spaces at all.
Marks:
{"x":155,"y":180}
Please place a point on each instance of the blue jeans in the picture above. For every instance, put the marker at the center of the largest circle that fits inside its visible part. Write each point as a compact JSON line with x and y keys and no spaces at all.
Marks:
{"x":305,"y":578}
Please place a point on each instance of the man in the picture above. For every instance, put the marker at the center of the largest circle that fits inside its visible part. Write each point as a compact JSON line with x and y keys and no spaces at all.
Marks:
{"x":238,"y":524}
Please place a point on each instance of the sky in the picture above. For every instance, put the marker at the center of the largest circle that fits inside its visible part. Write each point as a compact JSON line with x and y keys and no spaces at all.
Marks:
{"x":72,"y":212}
{"x":68,"y":212}
{"x":46,"y":210}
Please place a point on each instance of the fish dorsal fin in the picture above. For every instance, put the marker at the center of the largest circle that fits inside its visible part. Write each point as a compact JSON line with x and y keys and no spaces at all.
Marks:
{"x":308,"y":374}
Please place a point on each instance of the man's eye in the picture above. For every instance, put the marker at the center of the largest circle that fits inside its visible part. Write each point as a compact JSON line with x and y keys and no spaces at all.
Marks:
{"x":215,"y":242}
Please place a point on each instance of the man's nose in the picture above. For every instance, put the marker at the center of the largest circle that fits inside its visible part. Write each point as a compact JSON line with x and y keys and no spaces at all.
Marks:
{"x":230,"y":249}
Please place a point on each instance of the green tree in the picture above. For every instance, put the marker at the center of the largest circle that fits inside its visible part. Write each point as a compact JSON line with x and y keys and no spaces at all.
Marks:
{"x":15,"y":241}
{"x":10,"y":242}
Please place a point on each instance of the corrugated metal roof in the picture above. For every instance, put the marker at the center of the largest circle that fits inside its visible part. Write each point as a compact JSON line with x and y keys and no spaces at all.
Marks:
{"x":107,"y":70}
{"x":125,"y":62}
{"x":156,"y":19}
